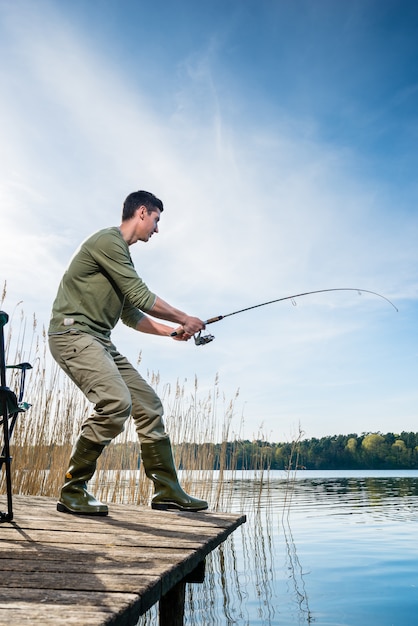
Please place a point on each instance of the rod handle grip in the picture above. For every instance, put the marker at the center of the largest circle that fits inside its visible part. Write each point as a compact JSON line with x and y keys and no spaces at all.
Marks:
{"x":218,"y":318}
{"x":211,"y":320}
{"x":176,"y":333}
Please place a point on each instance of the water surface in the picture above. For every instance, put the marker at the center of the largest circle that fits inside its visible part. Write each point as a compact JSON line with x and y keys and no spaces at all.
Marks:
{"x":334,"y":548}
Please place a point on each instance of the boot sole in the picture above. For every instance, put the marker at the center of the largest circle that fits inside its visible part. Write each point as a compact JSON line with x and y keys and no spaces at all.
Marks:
{"x":63,"y":509}
{"x":173,"y":506}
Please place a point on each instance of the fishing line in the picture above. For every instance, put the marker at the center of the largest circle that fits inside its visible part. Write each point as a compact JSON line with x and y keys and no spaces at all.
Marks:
{"x":203,"y":339}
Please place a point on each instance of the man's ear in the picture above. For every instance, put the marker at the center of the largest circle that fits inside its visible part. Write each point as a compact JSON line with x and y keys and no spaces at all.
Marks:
{"x":141,"y":210}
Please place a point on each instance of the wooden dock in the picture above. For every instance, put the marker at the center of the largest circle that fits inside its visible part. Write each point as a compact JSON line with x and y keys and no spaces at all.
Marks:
{"x":57,"y":568}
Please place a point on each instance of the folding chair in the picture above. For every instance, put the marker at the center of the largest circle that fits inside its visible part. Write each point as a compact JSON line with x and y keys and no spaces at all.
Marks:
{"x":10,"y":407}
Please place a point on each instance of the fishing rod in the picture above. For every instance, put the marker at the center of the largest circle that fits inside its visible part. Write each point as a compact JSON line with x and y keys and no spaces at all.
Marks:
{"x":201,"y":340}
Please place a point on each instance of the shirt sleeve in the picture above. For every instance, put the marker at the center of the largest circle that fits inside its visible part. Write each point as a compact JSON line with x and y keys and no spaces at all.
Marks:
{"x":131,"y":315}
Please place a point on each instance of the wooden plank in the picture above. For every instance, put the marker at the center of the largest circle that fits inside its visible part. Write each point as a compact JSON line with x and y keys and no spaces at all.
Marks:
{"x":31,"y":606}
{"x":57,"y":568}
{"x":88,"y":555}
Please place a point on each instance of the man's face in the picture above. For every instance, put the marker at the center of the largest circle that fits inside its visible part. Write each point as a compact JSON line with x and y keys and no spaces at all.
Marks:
{"x":147,"y":223}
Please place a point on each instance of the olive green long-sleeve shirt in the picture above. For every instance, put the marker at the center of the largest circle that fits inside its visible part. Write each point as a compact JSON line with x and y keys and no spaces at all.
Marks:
{"x":99,"y":287}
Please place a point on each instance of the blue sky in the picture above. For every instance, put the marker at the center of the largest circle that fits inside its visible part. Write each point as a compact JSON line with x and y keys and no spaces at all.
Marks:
{"x":281,"y":137}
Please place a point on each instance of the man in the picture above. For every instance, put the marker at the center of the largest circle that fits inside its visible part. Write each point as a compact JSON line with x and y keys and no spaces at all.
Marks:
{"x":99,"y":287}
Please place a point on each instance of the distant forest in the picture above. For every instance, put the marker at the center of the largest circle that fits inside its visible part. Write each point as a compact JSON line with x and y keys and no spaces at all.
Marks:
{"x":365,"y":451}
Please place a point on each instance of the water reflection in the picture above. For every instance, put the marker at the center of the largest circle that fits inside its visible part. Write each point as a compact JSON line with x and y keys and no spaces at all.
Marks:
{"x":385,"y":496}
{"x":297,"y":586}
{"x":323,"y":549}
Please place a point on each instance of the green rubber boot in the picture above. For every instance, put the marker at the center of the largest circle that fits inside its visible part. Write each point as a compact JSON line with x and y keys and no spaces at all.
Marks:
{"x":74,"y":497}
{"x":158,"y":461}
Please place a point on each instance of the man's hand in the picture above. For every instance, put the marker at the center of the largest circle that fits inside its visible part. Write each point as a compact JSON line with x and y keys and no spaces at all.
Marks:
{"x":192,"y":325}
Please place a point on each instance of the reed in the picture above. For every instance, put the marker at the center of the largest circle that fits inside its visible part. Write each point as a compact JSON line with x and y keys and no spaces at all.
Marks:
{"x":292,"y":468}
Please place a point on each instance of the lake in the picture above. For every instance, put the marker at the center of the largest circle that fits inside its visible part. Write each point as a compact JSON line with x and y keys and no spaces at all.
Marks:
{"x":319,"y":547}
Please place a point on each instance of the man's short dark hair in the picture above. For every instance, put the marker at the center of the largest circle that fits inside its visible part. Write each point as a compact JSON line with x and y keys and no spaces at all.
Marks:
{"x":137,"y":199}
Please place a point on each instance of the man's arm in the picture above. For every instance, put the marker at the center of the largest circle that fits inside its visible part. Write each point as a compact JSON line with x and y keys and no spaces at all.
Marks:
{"x":148,"y":325}
{"x":189,"y":325}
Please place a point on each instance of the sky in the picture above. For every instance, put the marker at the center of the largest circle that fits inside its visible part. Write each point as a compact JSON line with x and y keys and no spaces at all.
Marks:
{"x":281,"y":136}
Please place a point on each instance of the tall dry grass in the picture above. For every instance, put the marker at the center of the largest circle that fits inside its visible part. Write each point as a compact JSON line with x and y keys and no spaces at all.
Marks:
{"x":43,"y":437}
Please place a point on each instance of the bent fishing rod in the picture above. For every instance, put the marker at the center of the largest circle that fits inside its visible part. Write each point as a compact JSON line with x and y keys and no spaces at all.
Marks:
{"x":201,"y":340}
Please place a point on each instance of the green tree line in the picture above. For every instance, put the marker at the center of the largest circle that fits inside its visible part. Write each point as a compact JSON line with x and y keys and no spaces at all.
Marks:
{"x":353,"y":451}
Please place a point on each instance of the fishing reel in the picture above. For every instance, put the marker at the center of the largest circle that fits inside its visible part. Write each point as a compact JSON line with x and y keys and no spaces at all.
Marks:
{"x":201,"y":340}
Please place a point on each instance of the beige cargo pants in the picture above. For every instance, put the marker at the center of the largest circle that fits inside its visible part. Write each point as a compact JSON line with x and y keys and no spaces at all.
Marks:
{"x":112,"y":384}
